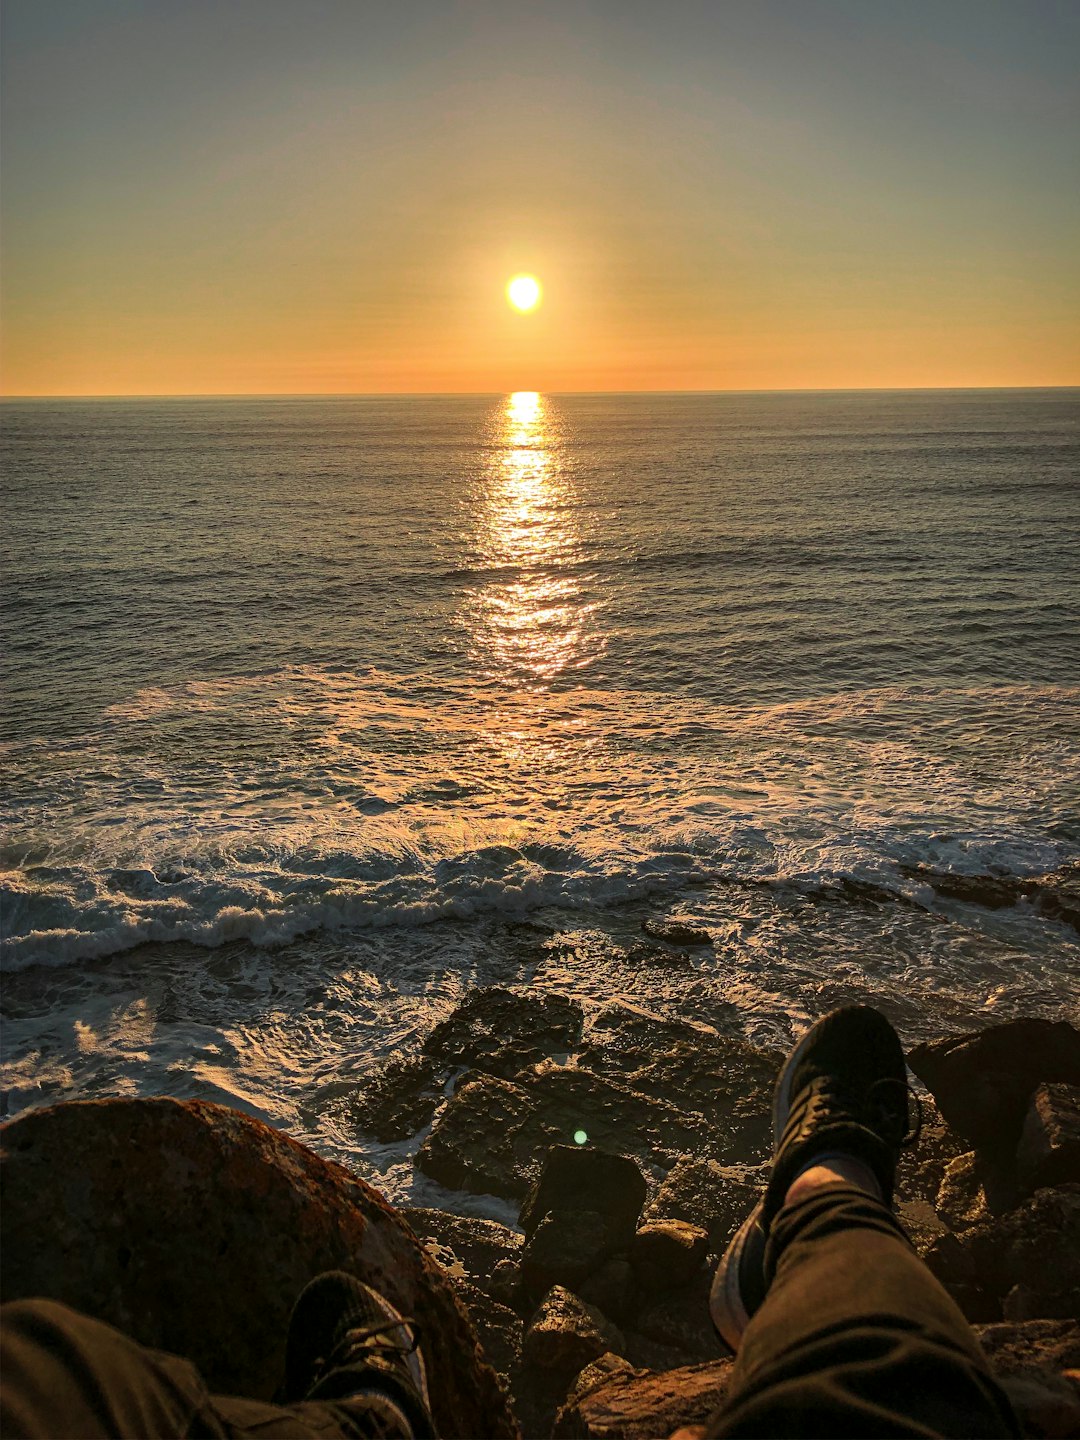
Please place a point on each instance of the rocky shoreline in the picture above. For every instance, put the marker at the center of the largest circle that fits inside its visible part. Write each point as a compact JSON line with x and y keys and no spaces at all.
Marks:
{"x":634,"y":1145}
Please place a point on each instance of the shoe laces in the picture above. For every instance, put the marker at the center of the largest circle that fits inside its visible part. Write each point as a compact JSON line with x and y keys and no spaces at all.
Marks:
{"x":353,"y":1345}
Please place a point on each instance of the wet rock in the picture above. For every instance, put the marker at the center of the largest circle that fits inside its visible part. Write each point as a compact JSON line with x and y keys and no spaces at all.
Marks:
{"x":504,"y":1284}
{"x":565,"y":1334}
{"x":1049,"y":1150}
{"x":492,"y":1136}
{"x":503,"y":1031}
{"x":641,"y":1405}
{"x":483,"y":1140}
{"x":720,"y":1084}
{"x":922,"y":1224}
{"x":983,"y":1082}
{"x":1038,"y":1364}
{"x":922,"y":1167}
{"x":565,"y":1247}
{"x":952,"y":1263}
{"x":676,"y":932}
{"x":468,"y":1248}
{"x":680,"y":1320}
{"x":583,"y":1177}
{"x":659,"y":955}
{"x":715,"y":1197}
{"x":1036,"y":1246}
{"x":667,"y":1253}
{"x":399,"y":1101}
{"x":613,"y":1290}
{"x":193,"y":1228}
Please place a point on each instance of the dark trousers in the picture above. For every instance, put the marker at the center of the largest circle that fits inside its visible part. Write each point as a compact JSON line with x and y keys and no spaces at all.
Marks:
{"x":855,"y":1338}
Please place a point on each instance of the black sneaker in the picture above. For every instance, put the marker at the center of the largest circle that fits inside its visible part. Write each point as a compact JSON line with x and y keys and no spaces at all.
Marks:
{"x":343,"y":1338}
{"x":843,"y":1089}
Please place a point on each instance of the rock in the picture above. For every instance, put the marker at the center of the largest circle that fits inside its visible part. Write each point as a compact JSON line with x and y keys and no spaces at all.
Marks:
{"x":1049,"y":1150}
{"x":715,"y":1197}
{"x":961,"y":1201}
{"x":504,"y":1284}
{"x":641,"y":1405}
{"x":1056,"y":893}
{"x":468,"y":1248}
{"x":680,"y":1320}
{"x":921,"y":1223}
{"x":720,"y":1084}
{"x":1035,"y":1363}
{"x":565,"y":1334}
{"x":400,"y":1101}
{"x":921,"y":1168}
{"x":953,"y":1264}
{"x":581,"y":1176}
{"x":492,"y":1136}
{"x":565,"y":1247}
{"x":1037,"y":1246}
{"x":659,"y":955}
{"x":500,"y":1331}
{"x":983,"y":1082}
{"x":503,"y":1031}
{"x":613,"y":1290}
{"x":667,"y":1253}
{"x":193,"y":1228}
{"x":675,"y":932}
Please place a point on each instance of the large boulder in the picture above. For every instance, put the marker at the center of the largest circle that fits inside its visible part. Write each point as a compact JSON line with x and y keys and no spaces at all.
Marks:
{"x":626,"y":1404}
{"x":1035,"y":1250}
{"x":565,"y":1335}
{"x":983,"y":1083}
{"x":503,"y":1031}
{"x":668,"y":1253}
{"x":193,"y":1228}
{"x":565,"y":1247}
{"x":583,"y":1177}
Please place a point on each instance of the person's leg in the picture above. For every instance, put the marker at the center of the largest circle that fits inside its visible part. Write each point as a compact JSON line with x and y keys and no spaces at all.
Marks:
{"x":838,"y":1327}
{"x":855,"y":1336}
{"x":64,"y":1374}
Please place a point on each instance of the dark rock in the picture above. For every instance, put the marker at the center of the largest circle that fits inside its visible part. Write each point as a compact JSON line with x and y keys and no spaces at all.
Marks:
{"x":565,"y":1334}
{"x":1037,"y":1246}
{"x":1049,"y":1150}
{"x":1056,"y":894}
{"x":720,"y":1084}
{"x":565,"y":1247}
{"x":582,"y":1177}
{"x":503,"y":1031}
{"x":399,"y":1101}
{"x":613,"y":1290}
{"x":504,"y":1284}
{"x":193,"y":1228}
{"x":680,"y":1320}
{"x":1037,"y":1363}
{"x":1024,"y":1303}
{"x":961,"y":1201}
{"x":953,"y":1264}
{"x":983,"y":1082}
{"x":922,"y":1224}
{"x":715,"y":1197}
{"x":641,"y":1405}
{"x":492,"y":1136}
{"x":922,"y":1167}
{"x":675,"y":932}
{"x":659,"y":955}
{"x":668,"y":1253}
{"x":468,"y":1248}
{"x":500,"y":1331}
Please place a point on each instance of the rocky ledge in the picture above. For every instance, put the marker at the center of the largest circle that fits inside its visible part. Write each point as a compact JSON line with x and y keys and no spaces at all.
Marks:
{"x":633,"y":1144}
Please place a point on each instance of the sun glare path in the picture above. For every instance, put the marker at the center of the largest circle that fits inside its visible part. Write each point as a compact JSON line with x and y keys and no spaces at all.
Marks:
{"x":523,"y":292}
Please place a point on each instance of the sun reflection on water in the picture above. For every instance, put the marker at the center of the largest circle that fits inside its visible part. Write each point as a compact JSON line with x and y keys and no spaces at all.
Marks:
{"x":530,"y":621}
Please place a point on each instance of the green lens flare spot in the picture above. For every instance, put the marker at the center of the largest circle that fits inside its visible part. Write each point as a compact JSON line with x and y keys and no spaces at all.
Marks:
{"x":580,"y":1137}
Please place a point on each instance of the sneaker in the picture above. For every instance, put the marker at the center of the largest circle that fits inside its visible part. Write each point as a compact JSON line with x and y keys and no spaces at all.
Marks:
{"x":843,"y":1090}
{"x":343,"y":1338}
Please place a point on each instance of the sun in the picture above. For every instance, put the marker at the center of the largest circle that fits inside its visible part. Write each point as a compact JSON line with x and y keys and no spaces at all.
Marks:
{"x":523,"y":292}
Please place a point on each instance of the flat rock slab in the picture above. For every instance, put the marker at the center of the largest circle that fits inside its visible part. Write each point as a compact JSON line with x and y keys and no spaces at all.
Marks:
{"x":643,"y":1404}
{"x":193,"y":1229}
{"x":467,"y":1247}
{"x":503,"y":1031}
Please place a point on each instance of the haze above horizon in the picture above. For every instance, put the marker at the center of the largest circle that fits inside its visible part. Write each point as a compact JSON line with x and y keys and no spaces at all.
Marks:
{"x":274,"y":198}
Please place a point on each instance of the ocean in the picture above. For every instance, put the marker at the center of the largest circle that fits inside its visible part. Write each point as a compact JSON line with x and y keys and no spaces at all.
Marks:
{"x":320,"y":712}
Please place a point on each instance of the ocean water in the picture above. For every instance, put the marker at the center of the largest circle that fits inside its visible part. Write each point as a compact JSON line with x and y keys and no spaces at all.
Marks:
{"x":319,"y":712}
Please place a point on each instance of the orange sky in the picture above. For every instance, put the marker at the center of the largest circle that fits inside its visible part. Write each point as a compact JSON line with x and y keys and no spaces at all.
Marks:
{"x":280,"y":198}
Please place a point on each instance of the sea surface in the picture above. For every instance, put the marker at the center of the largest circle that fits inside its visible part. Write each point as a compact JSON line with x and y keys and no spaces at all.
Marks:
{"x":318,"y":713}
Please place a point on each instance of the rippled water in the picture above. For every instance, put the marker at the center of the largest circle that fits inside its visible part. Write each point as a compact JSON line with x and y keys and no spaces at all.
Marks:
{"x":376,"y":684}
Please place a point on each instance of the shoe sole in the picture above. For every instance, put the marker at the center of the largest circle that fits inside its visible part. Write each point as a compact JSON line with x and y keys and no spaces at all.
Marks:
{"x":727,"y":1308}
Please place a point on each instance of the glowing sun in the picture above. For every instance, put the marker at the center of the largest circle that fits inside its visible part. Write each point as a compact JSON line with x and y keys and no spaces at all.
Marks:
{"x":523,"y":292}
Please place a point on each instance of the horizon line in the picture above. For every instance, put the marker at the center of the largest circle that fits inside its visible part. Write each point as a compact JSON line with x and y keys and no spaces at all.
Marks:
{"x":483,"y":394}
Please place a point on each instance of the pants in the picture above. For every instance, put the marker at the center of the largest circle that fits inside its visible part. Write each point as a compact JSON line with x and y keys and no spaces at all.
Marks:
{"x":855,"y":1338}
{"x":65,"y":1376}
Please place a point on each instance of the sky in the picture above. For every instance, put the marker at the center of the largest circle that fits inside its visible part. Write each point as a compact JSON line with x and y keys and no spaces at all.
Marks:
{"x":329,"y":196}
